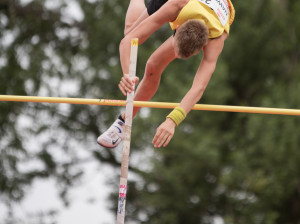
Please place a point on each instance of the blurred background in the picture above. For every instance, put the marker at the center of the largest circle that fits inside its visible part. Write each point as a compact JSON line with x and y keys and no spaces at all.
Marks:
{"x":219,"y":167}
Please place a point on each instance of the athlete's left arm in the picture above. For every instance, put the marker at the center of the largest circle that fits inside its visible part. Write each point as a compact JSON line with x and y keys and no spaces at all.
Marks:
{"x":207,"y":67}
{"x":211,"y":53}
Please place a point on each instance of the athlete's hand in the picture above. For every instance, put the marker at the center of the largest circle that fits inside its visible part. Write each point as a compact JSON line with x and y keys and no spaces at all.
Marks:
{"x":126,"y":84}
{"x":164,"y":133}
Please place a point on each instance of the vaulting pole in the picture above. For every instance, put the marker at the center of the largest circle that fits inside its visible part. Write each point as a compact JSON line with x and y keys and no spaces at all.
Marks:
{"x":109,"y":102}
{"x":126,"y":141}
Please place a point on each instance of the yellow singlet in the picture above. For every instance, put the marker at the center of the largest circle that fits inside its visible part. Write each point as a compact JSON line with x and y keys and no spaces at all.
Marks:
{"x":194,"y":9}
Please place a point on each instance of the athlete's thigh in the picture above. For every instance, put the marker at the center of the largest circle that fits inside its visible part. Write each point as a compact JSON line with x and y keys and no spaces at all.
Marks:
{"x":134,"y":11}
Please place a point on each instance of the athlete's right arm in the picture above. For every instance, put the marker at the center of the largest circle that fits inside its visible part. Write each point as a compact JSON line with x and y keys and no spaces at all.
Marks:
{"x":167,"y":13}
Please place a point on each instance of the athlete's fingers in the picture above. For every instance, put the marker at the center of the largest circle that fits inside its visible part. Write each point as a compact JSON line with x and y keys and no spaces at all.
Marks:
{"x":128,"y":85}
{"x":168,"y":140}
{"x":159,"y":140}
{"x":164,"y":133}
{"x":157,"y":134}
{"x":162,"y":140}
{"x":126,"y":81}
{"x":161,"y":136}
{"x":122,"y":89}
{"x":136,"y":80}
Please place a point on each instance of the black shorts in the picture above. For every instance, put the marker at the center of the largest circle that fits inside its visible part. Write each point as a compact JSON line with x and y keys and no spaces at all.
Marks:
{"x":155,"y":5}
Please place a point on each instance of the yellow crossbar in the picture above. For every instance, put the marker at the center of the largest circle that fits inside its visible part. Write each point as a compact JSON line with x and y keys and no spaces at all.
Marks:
{"x":108,"y":102}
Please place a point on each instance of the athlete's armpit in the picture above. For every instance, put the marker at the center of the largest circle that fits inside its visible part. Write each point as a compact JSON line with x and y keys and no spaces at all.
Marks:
{"x":213,"y":49}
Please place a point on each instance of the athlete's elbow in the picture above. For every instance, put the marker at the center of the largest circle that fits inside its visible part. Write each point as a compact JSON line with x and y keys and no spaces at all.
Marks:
{"x":122,"y":44}
{"x":126,"y":42}
{"x":198,"y":92}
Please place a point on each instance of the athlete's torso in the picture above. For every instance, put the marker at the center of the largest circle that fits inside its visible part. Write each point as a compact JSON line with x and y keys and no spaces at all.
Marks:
{"x":216,"y":14}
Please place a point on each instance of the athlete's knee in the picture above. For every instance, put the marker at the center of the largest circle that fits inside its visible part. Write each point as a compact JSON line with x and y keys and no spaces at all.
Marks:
{"x":127,"y":28}
{"x":123,"y":42}
{"x":152,"y":71}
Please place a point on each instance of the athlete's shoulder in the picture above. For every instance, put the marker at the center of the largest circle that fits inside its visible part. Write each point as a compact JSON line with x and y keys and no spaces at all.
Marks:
{"x":214,"y":47}
{"x":179,"y":3}
{"x":169,"y":11}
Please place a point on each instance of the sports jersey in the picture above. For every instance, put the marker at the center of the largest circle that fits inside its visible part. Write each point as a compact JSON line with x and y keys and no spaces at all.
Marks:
{"x":218,"y":15}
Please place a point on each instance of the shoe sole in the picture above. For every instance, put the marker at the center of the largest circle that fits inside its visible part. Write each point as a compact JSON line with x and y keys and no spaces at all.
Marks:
{"x":107,"y":146}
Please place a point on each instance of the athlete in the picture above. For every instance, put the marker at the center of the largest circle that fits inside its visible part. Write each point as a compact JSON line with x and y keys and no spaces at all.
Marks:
{"x":198,"y":25}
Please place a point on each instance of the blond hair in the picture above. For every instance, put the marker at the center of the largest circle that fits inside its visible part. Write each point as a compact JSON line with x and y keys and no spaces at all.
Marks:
{"x":190,"y":37}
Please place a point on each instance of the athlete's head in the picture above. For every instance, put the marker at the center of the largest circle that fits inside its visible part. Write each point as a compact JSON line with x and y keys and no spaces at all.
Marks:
{"x":190,"y":38}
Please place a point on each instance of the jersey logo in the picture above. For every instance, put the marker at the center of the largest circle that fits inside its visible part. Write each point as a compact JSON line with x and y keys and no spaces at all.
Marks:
{"x":220,"y":7}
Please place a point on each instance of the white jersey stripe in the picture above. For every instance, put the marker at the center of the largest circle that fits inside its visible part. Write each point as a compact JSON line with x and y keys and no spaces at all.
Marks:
{"x":220,"y":7}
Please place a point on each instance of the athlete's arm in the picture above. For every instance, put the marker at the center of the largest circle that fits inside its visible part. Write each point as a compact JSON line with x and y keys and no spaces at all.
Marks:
{"x":207,"y":66}
{"x":167,"y":13}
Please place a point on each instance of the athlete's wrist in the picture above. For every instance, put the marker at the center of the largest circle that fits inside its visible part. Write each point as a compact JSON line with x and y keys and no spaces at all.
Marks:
{"x":177,"y":115}
{"x":169,"y":120}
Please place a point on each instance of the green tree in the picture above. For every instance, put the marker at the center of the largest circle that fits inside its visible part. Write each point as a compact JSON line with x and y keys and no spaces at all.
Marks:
{"x":242,"y":168}
{"x":47,"y":51}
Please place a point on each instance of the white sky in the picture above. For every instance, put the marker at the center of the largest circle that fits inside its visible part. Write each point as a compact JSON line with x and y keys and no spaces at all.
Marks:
{"x":43,"y":196}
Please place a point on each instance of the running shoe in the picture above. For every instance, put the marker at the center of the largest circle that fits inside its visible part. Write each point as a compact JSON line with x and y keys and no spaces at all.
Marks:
{"x":113,"y":136}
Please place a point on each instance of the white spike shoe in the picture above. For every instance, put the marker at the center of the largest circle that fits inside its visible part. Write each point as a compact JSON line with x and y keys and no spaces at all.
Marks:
{"x":113,"y":136}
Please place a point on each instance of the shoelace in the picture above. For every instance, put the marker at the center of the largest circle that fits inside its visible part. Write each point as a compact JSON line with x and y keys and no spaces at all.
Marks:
{"x":113,"y":135}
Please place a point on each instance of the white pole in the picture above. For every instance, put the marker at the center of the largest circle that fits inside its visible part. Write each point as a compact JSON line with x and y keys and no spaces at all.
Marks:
{"x":126,"y":141}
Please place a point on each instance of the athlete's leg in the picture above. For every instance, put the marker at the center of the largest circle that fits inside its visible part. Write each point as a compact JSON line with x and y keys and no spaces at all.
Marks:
{"x":146,"y":89}
{"x":136,"y":9}
{"x":156,"y":64}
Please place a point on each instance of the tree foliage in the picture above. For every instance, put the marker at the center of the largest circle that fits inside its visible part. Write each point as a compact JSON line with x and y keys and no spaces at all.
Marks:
{"x":242,"y":168}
